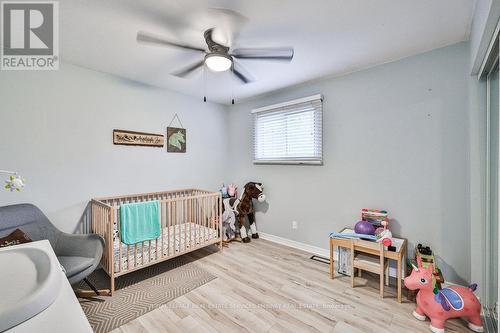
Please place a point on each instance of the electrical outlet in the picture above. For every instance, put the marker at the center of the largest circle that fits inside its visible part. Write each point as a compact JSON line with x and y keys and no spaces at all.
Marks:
{"x":295,"y":225}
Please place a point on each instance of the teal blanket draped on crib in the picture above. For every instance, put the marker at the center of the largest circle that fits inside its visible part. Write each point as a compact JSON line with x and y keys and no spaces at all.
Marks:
{"x":140,"y":221}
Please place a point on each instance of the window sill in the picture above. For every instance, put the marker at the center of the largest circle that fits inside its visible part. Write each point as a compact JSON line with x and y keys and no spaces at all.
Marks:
{"x":289,"y":162}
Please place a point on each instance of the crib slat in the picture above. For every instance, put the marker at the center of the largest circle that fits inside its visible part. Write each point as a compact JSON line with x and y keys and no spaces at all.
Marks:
{"x":135,"y":254}
{"x":109,"y":255}
{"x":196,"y":225}
{"x":105,"y":226}
{"x":157,"y":240}
{"x":165,"y":228}
{"x":174,"y":221}
{"x":212,"y":220}
{"x":188,"y":220}
{"x":183,"y":219}
{"x":215,"y":214}
{"x":119,"y":240}
{"x":168,"y":226}
{"x":149,"y":251}
{"x":204,"y":220}
{"x":216,"y":217}
{"x":188,"y":208}
{"x":162,"y":236}
{"x":128,"y":257}
{"x":104,"y":231}
{"x":189,"y":226}
{"x":219,"y":199}
{"x":209,"y":219}
{"x":169,"y":230}
{"x":128,"y":200}
{"x":101,"y":220}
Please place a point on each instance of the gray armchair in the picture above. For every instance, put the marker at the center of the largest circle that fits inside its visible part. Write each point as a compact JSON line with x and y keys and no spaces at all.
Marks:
{"x":78,"y":254}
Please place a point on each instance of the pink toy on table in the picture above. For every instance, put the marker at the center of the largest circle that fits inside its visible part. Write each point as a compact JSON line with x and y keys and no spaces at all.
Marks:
{"x":442,"y":304}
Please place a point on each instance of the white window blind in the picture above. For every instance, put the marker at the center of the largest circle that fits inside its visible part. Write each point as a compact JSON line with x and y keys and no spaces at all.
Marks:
{"x":290,"y":132}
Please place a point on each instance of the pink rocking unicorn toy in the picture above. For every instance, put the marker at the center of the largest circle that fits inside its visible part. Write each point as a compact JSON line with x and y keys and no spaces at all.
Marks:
{"x":442,"y":304}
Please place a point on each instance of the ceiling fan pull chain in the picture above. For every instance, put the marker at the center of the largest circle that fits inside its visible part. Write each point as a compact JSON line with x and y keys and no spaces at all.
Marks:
{"x":232,"y":84}
{"x":204,"y":86}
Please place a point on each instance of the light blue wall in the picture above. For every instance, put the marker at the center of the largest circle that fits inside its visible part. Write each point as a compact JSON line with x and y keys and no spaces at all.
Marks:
{"x":57,"y":132}
{"x":396,"y":137}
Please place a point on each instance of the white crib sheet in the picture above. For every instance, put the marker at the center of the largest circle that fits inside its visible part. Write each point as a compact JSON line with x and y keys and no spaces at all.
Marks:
{"x":186,"y":235}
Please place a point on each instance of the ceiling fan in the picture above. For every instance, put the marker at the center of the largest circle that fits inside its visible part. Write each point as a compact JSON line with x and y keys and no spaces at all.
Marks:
{"x":218,"y":57}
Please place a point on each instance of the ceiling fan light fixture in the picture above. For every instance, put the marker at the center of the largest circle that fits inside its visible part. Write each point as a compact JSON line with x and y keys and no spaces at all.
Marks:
{"x":218,"y":62}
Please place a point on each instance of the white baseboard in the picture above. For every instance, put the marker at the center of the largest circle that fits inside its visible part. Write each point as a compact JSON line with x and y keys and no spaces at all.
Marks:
{"x":296,"y":245}
{"x":308,"y":248}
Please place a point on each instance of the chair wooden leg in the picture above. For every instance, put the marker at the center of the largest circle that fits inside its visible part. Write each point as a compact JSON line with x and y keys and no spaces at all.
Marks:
{"x":360,"y":272}
{"x":398,"y":274}
{"x":387,"y":276}
{"x":331,"y":260}
{"x":382,"y":275}
{"x":112,"y":290}
{"x":353,"y":270}
{"x":382,"y":285}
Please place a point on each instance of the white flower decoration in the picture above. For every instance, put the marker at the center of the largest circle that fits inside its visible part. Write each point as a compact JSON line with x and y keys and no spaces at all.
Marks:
{"x":15,"y":183}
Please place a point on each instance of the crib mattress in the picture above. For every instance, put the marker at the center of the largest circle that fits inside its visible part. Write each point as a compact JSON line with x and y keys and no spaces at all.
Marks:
{"x":176,"y":239}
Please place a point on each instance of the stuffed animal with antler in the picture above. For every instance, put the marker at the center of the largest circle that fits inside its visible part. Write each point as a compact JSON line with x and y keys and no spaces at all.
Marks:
{"x":442,"y":304}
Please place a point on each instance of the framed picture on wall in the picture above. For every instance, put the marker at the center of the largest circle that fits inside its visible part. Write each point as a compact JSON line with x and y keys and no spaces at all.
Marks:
{"x":132,"y":138}
{"x":176,"y":140}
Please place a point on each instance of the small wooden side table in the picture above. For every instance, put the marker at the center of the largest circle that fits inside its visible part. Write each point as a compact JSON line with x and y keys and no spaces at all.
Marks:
{"x":400,"y":255}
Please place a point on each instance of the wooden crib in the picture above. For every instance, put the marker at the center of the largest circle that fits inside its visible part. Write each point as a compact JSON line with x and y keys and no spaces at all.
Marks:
{"x":190,"y":219}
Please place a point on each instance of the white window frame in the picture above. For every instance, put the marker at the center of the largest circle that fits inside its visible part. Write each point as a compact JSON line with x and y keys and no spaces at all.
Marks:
{"x":276,"y":108}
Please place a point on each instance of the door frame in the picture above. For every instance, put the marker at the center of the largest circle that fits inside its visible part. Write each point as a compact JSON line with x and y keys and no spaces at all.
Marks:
{"x":487,"y":234}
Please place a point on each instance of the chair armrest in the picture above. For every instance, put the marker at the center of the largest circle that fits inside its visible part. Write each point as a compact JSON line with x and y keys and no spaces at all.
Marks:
{"x":88,"y":245}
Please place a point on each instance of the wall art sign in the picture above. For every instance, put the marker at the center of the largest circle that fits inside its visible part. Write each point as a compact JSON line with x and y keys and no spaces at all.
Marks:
{"x":132,"y":138}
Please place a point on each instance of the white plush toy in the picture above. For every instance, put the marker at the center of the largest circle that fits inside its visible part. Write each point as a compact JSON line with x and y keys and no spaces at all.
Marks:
{"x":229,"y":220}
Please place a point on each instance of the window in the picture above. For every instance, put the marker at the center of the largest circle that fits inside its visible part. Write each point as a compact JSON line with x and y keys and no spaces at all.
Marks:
{"x":290,"y":132}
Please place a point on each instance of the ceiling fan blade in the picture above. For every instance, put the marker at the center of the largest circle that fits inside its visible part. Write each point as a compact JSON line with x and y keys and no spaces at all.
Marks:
{"x":145,"y":37}
{"x":241,"y":73}
{"x":272,"y":53}
{"x":189,"y":69}
{"x":227,"y":25}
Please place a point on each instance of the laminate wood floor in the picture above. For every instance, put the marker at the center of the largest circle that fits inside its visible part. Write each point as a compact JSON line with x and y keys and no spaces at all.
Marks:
{"x":267,"y":287}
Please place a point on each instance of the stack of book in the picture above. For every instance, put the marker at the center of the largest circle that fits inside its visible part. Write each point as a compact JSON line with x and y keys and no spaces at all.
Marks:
{"x":374,"y":216}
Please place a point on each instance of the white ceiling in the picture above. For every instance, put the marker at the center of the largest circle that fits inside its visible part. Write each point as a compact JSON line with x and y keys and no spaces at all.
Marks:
{"x":329,"y":36}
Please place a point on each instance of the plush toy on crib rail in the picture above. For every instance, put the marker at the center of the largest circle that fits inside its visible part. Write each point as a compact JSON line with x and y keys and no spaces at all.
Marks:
{"x":235,"y":210}
{"x":232,"y":190}
{"x":442,"y":304}
{"x":228,"y":191}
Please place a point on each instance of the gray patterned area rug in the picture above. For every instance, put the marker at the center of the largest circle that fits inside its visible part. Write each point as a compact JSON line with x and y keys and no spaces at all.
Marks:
{"x":141,"y":291}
